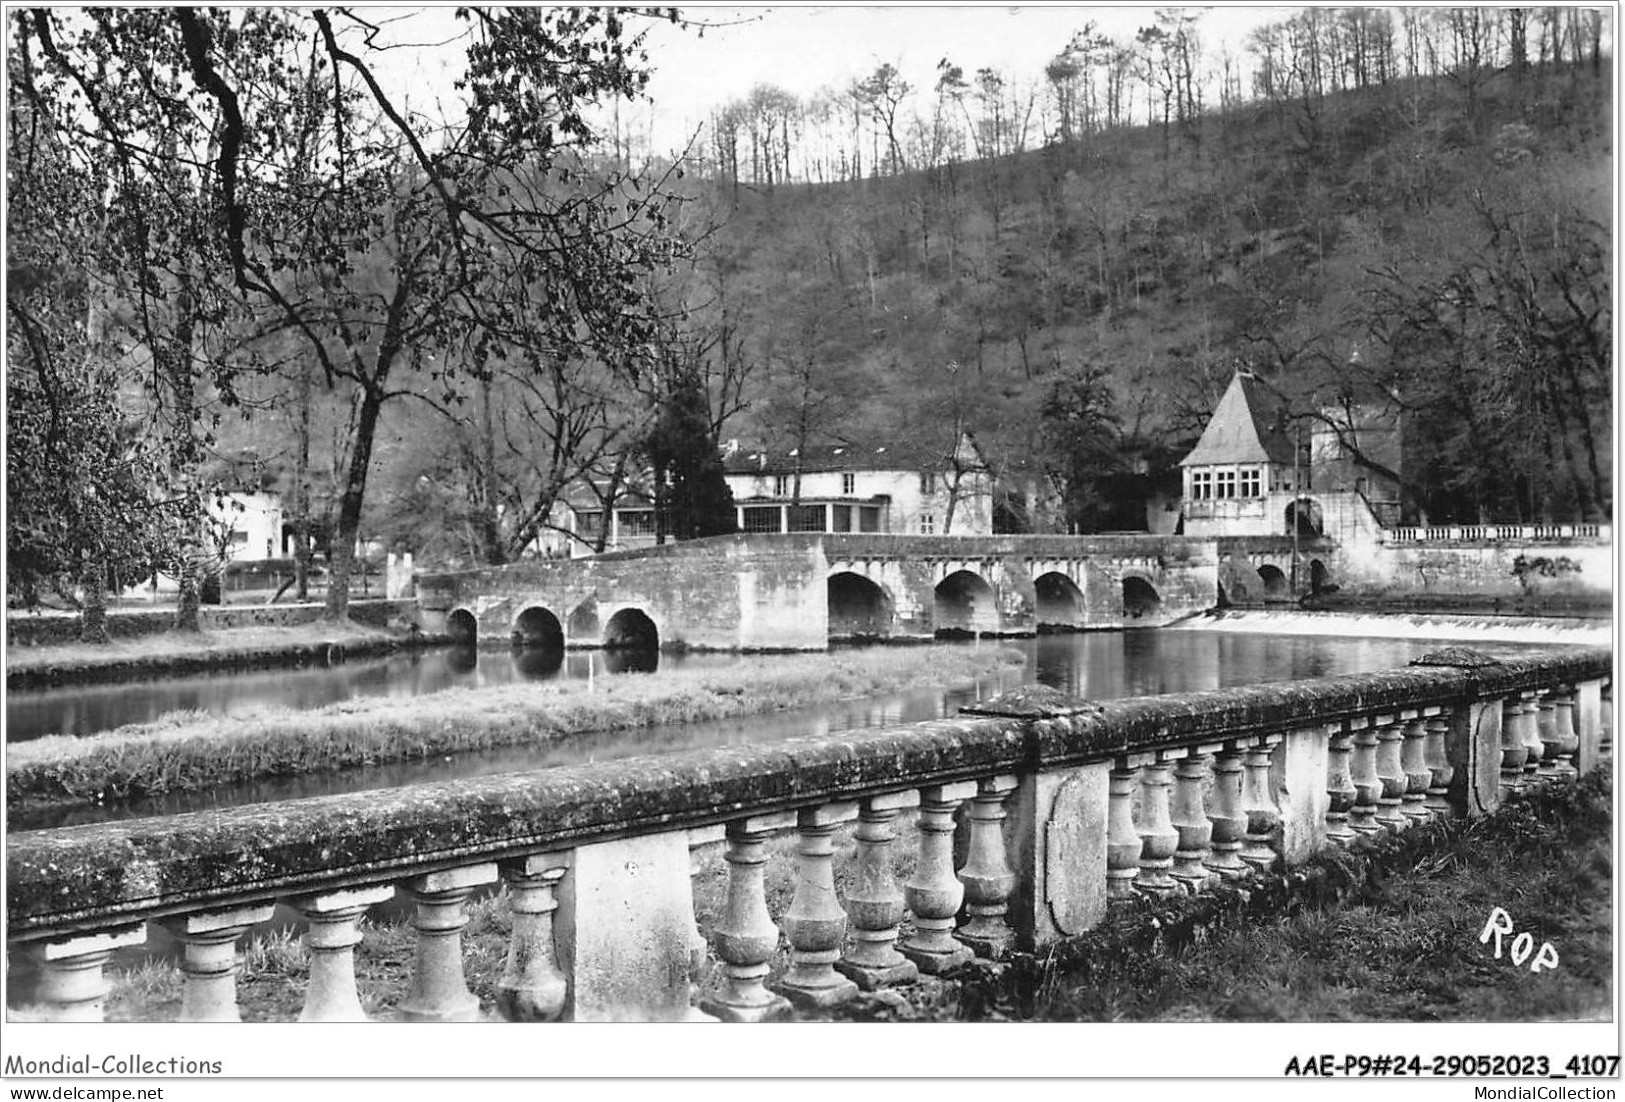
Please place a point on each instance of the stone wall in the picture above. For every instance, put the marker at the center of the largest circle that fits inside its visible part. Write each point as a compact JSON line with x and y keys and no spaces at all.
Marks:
{"x":1571,"y":571}
{"x":46,"y":628}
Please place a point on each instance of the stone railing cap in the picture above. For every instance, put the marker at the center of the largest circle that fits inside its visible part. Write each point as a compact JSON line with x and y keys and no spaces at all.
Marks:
{"x":1033,"y":702}
{"x":1463,"y":657}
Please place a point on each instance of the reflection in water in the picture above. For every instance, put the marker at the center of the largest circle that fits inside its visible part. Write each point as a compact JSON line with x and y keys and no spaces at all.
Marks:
{"x":538,"y":662}
{"x":1101,"y":665}
{"x":635,"y":659}
{"x":462,"y":658}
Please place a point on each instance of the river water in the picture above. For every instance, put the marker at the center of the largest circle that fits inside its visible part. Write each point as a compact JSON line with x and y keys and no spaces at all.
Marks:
{"x":1098,"y":665}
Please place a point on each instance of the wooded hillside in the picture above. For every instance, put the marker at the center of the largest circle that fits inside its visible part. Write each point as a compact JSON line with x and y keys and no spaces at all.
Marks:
{"x":1422,"y":228}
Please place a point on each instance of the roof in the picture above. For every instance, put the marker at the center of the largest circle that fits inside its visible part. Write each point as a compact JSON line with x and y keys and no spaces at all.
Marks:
{"x":1249,"y":426}
{"x":840,"y":457}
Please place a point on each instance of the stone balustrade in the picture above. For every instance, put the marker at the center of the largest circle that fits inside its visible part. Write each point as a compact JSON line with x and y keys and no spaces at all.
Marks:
{"x":1013,"y":826}
{"x":1491,"y":533}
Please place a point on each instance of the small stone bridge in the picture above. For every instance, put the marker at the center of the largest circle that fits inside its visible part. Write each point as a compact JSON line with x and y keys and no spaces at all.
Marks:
{"x":785,"y":592}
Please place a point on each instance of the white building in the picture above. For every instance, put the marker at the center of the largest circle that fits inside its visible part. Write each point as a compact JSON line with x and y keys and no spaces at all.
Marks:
{"x":1246,"y":472}
{"x":880,"y":488}
{"x":1254,"y":474}
{"x":249,"y":526}
{"x":863,"y":488}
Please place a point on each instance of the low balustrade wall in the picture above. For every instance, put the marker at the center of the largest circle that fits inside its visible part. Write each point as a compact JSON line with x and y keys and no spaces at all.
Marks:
{"x":1494,"y":533}
{"x":1027,"y":821}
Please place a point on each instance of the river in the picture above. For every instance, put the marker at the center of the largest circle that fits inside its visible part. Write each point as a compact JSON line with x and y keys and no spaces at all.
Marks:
{"x":1099,"y":665}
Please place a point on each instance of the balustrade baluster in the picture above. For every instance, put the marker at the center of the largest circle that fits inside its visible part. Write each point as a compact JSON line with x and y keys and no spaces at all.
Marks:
{"x":1368,"y":784}
{"x":209,"y":959}
{"x":332,"y":931}
{"x":987,"y":874}
{"x":439,"y":991}
{"x":1549,"y":770}
{"x":1418,"y":775}
{"x":72,"y":983}
{"x":1123,"y":844}
{"x":532,"y":987}
{"x":1391,"y":771}
{"x":934,"y":894}
{"x":1159,"y":839}
{"x":1340,"y":784}
{"x":1513,"y":751}
{"x":1437,"y":758}
{"x":1191,"y":777}
{"x":874,"y":906}
{"x":1263,"y":816}
{"x":1228,"y":822}
{"x":1567,"y":743}
{"x":815,"y":924}
{"x":745,"y":936}
{"x":1530,"y":713}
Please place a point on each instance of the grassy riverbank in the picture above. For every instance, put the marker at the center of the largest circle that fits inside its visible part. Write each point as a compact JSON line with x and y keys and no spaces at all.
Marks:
{"x":190,"y":752}
{"x":1388,"y":935}
{"x":185,"y":651}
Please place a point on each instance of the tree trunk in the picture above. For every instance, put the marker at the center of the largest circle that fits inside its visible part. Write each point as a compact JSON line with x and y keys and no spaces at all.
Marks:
{"x":184,"y":459}
{"x":189,"y":599}
{"x":341,"y":556}
{"x":93,"y":607}
{"x":301,"y":489}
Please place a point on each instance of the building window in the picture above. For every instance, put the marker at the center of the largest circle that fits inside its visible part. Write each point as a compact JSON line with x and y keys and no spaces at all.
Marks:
{"x":806,"y":518}
{"x":589,"y":524}
{"x":781,"y":485}
{"x":928,"y":482}
{"x":761,"y":518}
{"x":842,"y":517}
{"x":1251,"y":482}
{"x":869,"y":518}
{"x":1224,"y":484}
{"x":1201,"y":485}
{"x":928,"y":524}
{"x":849,"y":483}
{"x":637,"y":522}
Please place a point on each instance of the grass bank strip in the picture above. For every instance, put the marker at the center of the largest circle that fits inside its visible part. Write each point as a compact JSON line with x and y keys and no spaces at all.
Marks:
{"x":189,"y":652}
{"x":188,"y":752}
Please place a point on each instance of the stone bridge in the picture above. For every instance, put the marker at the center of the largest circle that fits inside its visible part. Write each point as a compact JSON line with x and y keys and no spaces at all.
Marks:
{"x":790,"y":592}
{"x":1267,"y":570}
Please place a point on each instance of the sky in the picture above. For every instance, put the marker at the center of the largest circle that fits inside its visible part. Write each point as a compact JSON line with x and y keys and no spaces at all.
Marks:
{"x":803,"y":49}
{"x":720,"y":53}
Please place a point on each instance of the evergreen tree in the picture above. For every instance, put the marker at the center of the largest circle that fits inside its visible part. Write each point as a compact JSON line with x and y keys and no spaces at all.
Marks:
{"x":692,"y":498}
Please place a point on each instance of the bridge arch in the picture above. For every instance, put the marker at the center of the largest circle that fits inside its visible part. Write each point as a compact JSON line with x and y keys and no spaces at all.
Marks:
{"x":538,"y":627}
{"x":1141,"y":601}
{"x":1060,"y":601}
{"x":859,"y":607}
{"x":963,"y":603}
{"x":1275,"y":582}
{"x":1304,"y":517}
{"x":631,"y":629}
{"x":1319,"y":578}
{"x":463,"y":626}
